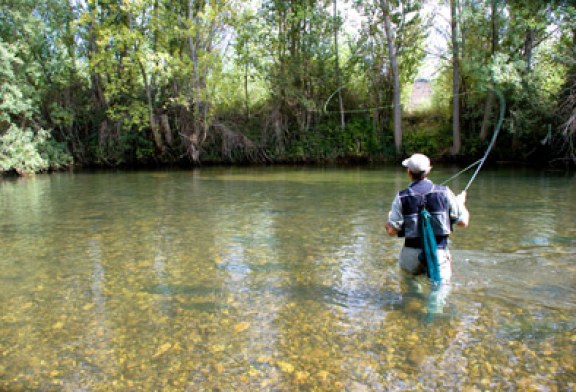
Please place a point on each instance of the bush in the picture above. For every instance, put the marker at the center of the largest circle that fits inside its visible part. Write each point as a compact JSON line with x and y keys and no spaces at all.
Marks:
{"x":26,"y":152}
{"x":420,"y":141}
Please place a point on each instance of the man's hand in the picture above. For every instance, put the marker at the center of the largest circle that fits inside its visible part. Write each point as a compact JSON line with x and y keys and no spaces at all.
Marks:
{"x":390,"y":230}
{"x":461,"y":198}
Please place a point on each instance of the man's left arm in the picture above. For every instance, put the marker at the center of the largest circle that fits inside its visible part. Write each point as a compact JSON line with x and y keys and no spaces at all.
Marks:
{"x":395,"y":218}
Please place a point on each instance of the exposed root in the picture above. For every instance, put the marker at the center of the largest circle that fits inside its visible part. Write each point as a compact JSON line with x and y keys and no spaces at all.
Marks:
{"x":568,"y":128}
{"x":275,"y":130}
{"x":192,"y":145}
{"x":235,"y":145}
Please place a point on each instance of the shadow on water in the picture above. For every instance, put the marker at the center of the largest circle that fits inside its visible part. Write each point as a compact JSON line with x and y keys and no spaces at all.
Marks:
{"x":417,"y":298}
{"x":361,"y":299}
{"x":530,"y":328}
{"x":174,"y":289}
{"x":255,"y":267}
{"x":203,"y":307}
{"x":300,"y":292}
{"x":203,"y":299}
{"x":526,"y":278}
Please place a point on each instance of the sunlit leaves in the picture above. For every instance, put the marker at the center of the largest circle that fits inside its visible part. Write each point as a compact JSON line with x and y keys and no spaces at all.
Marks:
{"x":28,"y":152}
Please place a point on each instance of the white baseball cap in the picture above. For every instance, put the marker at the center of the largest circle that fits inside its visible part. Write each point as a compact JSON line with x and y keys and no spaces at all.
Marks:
{"x":418,"y":164}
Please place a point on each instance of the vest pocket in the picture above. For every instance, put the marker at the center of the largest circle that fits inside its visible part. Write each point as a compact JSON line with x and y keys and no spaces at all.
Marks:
{"x":411,"y":226}
{"x":440,"y":223}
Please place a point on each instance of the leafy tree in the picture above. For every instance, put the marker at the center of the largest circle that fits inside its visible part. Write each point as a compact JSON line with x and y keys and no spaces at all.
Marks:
{"x":299,"y":51}
{"x":456,"y":131}
{"x":25,"y":147}
{"x":507,"y":45}
{"x":395,"y":73}
{"x":393,"y":48}
{"x":566,"y":98}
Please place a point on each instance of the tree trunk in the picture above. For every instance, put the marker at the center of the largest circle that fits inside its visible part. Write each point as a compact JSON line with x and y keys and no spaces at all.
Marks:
{"x":154,"y":122}
{"x":397,"y":111}
{"x":99,"y":103}
{"x":486,"y":120}
{"x":246,"y":96}
{"x":196,"y":134}
{"x":149,"y":85}
{"x":337,"y":68}
{"x":165,"y":128}
{"x":456,"y":137}
{"x":528,"y":48}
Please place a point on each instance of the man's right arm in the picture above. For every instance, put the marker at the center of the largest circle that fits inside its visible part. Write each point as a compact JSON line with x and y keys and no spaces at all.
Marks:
{"x":463,"y":215}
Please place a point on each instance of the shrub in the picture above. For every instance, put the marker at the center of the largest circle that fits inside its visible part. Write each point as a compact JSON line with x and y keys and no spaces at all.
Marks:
{"x":26,"y":152}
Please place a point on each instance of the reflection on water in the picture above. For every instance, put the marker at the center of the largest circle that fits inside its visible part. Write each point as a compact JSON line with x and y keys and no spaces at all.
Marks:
{"x":280,"y":279}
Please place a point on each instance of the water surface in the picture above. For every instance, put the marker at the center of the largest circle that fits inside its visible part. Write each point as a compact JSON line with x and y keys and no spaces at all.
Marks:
{"x":279,"y":279}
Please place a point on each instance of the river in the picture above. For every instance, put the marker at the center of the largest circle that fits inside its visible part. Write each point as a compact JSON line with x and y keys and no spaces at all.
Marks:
{"x":280,"y":278}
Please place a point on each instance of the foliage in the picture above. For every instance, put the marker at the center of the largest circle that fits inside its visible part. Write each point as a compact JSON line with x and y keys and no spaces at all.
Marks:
{"x":116,"y":82}
{"x":26,"y":152}
{"x":25,"y":147}
{"x":427,"y":132}
{"x":567,"y":111}
{"x":512,"y":47}
{"x":372,"y":53}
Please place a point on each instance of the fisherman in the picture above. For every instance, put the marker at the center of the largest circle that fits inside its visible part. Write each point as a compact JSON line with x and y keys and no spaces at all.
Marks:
{"x":445,"y":209}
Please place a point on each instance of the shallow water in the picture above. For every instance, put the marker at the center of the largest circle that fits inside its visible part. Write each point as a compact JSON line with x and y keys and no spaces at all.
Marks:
{"x":280,"y":279}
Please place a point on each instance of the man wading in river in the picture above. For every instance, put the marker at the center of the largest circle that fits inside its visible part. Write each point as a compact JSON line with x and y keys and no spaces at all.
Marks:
{"x":404,"y":218}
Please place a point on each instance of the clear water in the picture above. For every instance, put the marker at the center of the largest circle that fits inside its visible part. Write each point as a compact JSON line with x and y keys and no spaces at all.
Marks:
{"x":243,"y":279}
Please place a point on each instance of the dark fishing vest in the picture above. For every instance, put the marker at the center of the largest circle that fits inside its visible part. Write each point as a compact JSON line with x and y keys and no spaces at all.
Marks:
{"x":434,"y":197}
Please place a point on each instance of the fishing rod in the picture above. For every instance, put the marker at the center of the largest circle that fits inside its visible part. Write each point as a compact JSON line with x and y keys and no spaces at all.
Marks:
{"x":461,"y":172}
{"x":496,"y":132}
{"x":481,"y":161}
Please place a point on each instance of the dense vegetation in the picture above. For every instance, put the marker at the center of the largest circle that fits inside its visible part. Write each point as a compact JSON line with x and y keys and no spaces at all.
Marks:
{"x":136,"y":82}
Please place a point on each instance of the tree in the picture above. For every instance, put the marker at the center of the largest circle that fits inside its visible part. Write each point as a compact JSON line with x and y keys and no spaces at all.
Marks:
{"x":567,"y":95}
{"x":490,"y":100}
{"x":298,"y":42}
{"x":397,"y":107}
{"x":392,"y":48}
{"x":247,"y":52}
{"x":337,"y":64}
{"x":456,"y":137}
{"x":25,"y":74}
